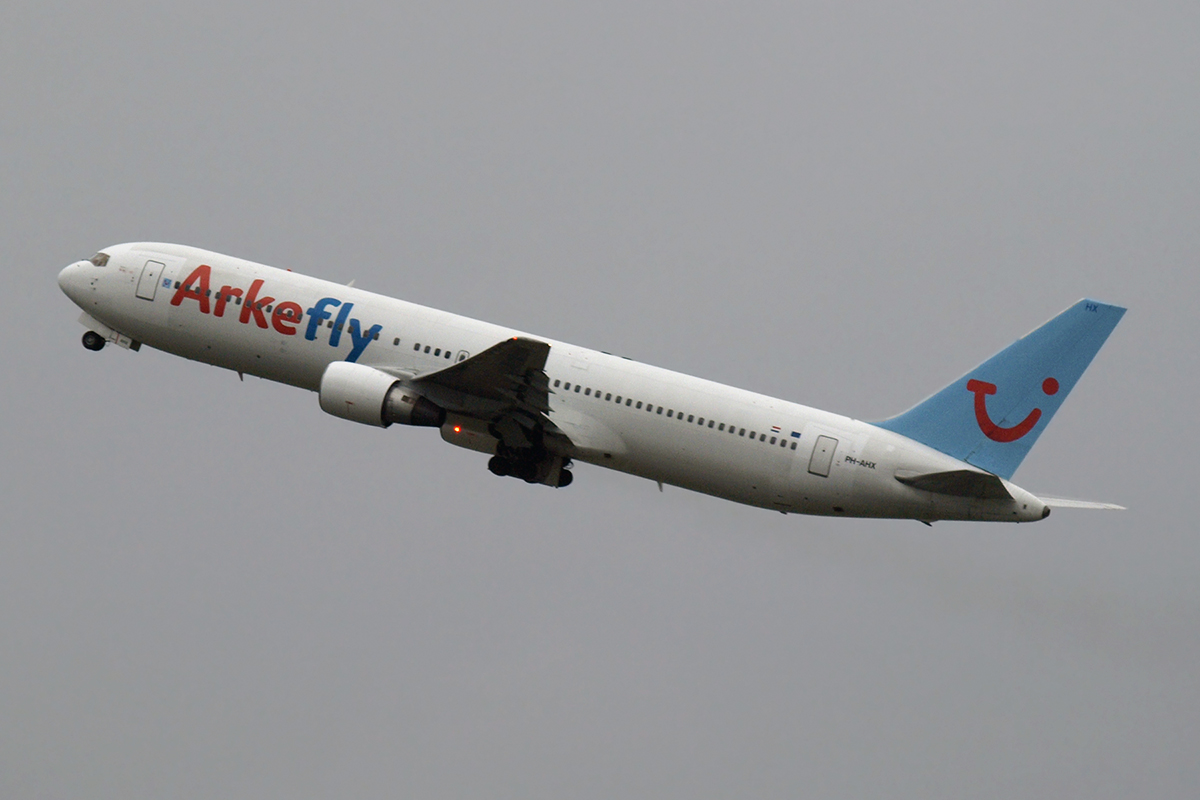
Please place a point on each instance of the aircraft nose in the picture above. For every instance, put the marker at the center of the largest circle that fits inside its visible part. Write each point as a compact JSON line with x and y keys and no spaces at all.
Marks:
{"x":71,"y":278}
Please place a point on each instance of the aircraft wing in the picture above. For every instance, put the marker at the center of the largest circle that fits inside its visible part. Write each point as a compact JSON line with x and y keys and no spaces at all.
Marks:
{"x":502,"y":372}
{"x":505,"y":385}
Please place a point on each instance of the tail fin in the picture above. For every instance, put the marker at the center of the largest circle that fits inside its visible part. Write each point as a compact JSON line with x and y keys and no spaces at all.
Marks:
{"x":992,"y":416}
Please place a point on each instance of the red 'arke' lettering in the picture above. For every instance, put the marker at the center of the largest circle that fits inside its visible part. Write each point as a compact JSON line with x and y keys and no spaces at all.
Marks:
{"x":255,"y":306}
{"x":226,"y":294}
{"x":195,"y":288}
{"x":286,"y":312}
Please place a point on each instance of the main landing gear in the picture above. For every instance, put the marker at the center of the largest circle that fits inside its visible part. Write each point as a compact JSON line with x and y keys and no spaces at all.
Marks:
{"x":530,"y":471}
{"x":93,"y":341}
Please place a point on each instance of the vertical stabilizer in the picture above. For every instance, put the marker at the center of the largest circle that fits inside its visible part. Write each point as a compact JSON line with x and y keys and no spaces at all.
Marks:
{"x":992,"y":416}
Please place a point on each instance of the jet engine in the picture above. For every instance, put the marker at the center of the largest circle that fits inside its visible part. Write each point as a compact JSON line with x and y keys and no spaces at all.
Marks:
{"x":364,"y":394}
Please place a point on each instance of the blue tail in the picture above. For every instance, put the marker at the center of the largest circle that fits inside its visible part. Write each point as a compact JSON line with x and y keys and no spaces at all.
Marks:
{"x":992,"y":415}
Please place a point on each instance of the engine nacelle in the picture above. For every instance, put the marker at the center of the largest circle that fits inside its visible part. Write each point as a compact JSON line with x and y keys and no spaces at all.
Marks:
{"x":364,"y":394}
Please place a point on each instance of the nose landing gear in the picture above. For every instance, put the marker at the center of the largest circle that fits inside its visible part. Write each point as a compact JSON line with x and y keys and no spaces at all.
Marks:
{"x":93,"y":340}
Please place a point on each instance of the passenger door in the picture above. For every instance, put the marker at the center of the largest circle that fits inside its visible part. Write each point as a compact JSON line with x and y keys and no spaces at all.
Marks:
{"x":147,"y":285}
{"x":822,"y":456}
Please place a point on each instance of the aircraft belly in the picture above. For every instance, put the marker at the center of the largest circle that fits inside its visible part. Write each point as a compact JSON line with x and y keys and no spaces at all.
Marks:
{"x":693,"y":460}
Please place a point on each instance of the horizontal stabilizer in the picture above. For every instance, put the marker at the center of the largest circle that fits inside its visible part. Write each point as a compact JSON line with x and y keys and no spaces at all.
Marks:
{"x":1063,"y":502}
{"x":958,"y":482}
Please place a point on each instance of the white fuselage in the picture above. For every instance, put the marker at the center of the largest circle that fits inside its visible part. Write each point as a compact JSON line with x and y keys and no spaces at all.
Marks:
{"x":652,"y":422}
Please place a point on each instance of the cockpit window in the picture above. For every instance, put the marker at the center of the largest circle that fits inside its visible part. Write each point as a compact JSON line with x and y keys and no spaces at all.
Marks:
{"x":100,"y":259}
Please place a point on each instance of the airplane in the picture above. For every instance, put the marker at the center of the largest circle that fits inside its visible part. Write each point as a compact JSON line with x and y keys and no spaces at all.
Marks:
{"x":535,"y":406}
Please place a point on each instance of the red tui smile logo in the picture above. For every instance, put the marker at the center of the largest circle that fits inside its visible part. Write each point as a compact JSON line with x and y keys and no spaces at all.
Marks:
{"x":993,"y":431}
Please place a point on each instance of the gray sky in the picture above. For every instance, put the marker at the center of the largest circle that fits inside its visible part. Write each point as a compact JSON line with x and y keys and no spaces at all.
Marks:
{"x":210,"y":588}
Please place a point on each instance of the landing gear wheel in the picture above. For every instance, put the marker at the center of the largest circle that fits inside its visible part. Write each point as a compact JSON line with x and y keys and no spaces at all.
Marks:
{"x":565,"y":478}
{"x":500,"y":466}
{"x":93,"y":340}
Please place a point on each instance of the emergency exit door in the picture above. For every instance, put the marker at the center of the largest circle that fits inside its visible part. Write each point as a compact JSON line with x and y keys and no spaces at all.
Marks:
{"x":822,"y":456}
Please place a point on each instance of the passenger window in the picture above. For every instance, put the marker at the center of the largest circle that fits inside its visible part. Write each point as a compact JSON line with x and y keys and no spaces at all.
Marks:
{"x":721,"y":427}
{"x":426,"y":348}
{"x":711,"y":423}
{"x":588,"y":392}
{"x":762,"y":437}
{"x":691,"y":417}
{"x":742,"y":432}
{"x":436,"y":352}
{"x":772,"y":440}
{"x":417,"y":347}
{"x":578,"y":387}
{"x":752,"y":434}
{"x":628,"y":401}
{"x":670,"y":413}
{"x":446,"y":355}
{"x":608,"y":397}
{"x":618,"y":400}
{"x":639,"y":405}
{"x":396,"y":342}
{"x":660,"y":409}
{"x":567,"y":386}
{"x":557,"y":383}
{"x":793,"y":445}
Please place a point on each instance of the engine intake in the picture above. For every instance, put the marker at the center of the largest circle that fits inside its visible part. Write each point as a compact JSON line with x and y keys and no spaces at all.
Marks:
{"x":364,"y":394}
